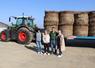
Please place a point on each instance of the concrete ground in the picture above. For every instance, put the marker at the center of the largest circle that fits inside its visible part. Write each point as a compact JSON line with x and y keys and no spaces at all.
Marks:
{"x":13,"y":55}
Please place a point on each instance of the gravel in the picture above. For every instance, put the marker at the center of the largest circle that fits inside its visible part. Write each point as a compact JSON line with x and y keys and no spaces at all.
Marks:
{"x":13,"y":55}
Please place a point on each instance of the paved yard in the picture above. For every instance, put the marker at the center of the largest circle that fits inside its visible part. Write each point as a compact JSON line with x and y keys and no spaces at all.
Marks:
{"x":13,"y":55}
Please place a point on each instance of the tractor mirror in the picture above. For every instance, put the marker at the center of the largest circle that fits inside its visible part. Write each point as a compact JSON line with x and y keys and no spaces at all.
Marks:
{"x":9,"y":19}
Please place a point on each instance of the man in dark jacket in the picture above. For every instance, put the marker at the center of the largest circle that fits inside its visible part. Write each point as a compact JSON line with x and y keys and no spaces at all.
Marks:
{"x":53,"y":40}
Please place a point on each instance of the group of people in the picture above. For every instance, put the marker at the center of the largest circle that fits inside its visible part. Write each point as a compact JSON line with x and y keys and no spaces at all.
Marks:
{"x":53,"y":42}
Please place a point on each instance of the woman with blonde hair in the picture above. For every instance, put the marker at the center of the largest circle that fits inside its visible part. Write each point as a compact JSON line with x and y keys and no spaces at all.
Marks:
{"x":60,"y":43}
{"x":46,"y":41}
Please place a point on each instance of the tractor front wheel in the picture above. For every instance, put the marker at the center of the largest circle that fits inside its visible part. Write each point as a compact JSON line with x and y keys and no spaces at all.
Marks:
{"x":24,"y":36}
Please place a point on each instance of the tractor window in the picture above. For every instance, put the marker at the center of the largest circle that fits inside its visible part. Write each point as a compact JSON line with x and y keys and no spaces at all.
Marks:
{"x":30,"y":23}
{"x":19,"y":21}
{"x":25,"y":21}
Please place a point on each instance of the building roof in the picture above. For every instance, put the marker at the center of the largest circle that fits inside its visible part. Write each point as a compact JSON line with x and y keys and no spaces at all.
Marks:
{"x":3,"y":24}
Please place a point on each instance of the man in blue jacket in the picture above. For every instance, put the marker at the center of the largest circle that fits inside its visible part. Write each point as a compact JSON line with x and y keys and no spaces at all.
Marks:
{"x":38,"y":42}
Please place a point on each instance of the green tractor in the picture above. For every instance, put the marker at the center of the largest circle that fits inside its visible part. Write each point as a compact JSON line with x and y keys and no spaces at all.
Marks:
{"x":23,"y":31}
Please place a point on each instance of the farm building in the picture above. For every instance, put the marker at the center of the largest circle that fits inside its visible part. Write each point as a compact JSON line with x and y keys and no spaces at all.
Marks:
{"x":3,"y":26}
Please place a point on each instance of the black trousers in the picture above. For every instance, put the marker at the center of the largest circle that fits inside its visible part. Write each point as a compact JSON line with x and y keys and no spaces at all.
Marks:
{"x":46,"y":47}
{"x":59,"y":52}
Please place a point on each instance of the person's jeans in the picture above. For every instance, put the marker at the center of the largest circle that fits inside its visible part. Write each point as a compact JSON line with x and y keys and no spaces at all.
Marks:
{"x":39,"y":46}
{"x":53,"y":44}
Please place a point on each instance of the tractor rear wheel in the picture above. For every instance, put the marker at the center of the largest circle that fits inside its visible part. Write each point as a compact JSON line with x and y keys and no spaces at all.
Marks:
{"x":24,"y":36}
{"x":4,"y":36}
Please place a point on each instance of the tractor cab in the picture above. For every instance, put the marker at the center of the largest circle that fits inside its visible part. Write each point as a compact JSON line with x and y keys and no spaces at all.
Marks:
{"x":24,"y":21}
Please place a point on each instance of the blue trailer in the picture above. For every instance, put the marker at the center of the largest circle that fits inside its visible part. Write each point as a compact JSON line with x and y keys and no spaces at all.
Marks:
{"x":88,"y":41}
{"x":85,"y":37}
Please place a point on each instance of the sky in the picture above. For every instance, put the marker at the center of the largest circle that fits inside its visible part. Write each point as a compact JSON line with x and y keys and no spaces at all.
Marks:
{"x":37,"y":8}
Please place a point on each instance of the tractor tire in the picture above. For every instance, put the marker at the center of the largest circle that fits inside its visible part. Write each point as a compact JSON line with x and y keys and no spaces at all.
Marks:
{"x":5,"y":36}
{"x":24,"y":36}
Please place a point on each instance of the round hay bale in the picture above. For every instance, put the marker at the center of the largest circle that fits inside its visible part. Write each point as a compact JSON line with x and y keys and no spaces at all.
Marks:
{"x":67,"y":30}
{"x":92,"y":18}
{"x":91,"y":30}
{"x":81,"y":18}
{"x":80,"y":30}
{"x":51,"y":16}
{"x":50,"y":23}
{"x":66,"y":17}
{"x":49,"y":28}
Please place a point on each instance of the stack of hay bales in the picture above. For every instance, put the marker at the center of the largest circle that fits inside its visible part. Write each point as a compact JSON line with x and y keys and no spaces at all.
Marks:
{"x":81,"y":24}
{"x":92,"y":23}
{"x":66,"y":20}
{"x":51,"y":19}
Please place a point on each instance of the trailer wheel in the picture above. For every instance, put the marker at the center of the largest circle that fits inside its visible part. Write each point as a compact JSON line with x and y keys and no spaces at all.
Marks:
{"x":4,"y":36}
{"x":24,"y":36}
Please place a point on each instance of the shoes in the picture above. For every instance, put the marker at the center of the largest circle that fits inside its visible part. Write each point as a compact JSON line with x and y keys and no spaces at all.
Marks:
{"x":44,"y":53}
{"x":40,"y":53}
{"x":48,"y":53}
{"x":59,"y":56}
